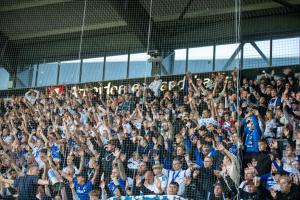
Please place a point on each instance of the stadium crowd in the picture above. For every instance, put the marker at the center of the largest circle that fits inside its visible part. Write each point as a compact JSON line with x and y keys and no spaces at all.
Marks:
{"x":202,"y":141}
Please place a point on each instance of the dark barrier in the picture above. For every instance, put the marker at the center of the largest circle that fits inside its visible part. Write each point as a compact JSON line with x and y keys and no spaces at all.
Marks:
{"x":107,"y":86}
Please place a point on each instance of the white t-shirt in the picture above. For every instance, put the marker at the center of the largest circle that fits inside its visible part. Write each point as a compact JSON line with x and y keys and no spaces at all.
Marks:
{"x":152,"y":187}
{"x":270,"y":125}
{"x":177,"y":176}
{"x":163,"y":180}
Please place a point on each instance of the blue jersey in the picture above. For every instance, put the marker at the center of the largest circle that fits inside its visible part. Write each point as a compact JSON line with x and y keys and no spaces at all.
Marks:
{"x":252,"y":136}
{"x":83,"y":191}
{"x":55,"y":151}
{"x":269,"y":180}
{"x":113,"y":186}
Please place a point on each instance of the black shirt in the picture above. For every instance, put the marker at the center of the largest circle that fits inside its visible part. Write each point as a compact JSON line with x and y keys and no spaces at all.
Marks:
{"x":263,"y":163}
{"x":206,"y":179}
{"x":27,"y":187}
{"x":292,"y":195}
{"x":191,"y":191}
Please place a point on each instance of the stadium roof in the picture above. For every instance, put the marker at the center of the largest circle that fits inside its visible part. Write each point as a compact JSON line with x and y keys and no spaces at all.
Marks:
{"x":37,"y":30}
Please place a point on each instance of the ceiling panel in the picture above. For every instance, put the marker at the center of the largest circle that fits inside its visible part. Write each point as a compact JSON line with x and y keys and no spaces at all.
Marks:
{"x":54,"y":25}
{"x":161,"y":9}
{"x":56,"y":17}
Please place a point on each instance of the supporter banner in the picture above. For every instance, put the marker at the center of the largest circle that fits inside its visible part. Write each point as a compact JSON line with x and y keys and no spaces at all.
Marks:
{"x":167,"y":84}
{"x":107,"y":86}
{"x":150,"y":197}
{"x":56,"y":89}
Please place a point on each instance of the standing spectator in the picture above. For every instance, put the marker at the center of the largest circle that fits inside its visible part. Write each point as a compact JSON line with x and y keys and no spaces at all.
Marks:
{"x":252,"y":193}
{"x":252,"y":133}
{"x":173,"y":188}
{"x":81,"y":185}
{"x":177,"y":175}
{"x":217,"y":193}
{"x":205,"y":177}
{"x":191,"y":190}
{"x":288,"y":189}
{"x":107,"y":155}
{"x":75,"y":133}
{"x":157,"y":169}
{"x":262,"y":159}
{"x":231,"y":164}
{"x":27,"y":185}
{"x":94,"y":195}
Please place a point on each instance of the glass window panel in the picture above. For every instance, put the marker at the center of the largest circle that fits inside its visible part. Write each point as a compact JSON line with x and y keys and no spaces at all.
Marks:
{"x":92,"y":69}
{"x":179,"y":61}
{"x":252,"y":59}
{"x":24,"y":76}
{"x":223,"y":54}
{"x":166,"y":65}
{"x":286,"y":52}
{"x":200,"y":59}
{"x":69,"y":72}
{"x":116,"y":67}
{"x":47,"y":74}
{"x":35,"y":68}
{"x":264,"y":47}
{"x":139,"y":66}
{"x":4,"y":78}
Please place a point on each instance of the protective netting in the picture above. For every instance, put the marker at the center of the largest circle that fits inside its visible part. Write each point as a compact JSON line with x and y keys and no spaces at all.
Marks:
{"x":172,"y":99}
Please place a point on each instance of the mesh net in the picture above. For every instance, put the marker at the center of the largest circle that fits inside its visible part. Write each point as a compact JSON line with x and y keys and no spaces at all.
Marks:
{"x":173,"y":99}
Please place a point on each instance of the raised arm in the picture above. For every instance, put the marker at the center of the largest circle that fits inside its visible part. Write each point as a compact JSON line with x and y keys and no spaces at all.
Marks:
{"x":215,"y":88}
{"x":213,"y":109}
{"x":81,"y":153}
{"x":197,"y":92}
{"x":66,"y":130}
{"x":120,"y":164}
{"x":27,"y":94}
{"x":203,"y":90}
{"x":66,"y":176}
{"x":14,"y":165}
{"x":30,"y":143}
{"x":284,"y":105}
{"x":255,"y":124}
{"x":224,"y":88}
{"x":40,"y":132}
{"x":37,"y":94}
{"x":43,"y":182}
{"x":93,"y":180}
{"x":8,"y":181}
{"x":223,"y":150}
{"x":2,"y":143}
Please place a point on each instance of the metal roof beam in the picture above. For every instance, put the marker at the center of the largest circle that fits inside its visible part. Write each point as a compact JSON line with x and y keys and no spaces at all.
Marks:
{"x":287,"y":4}
{"x":226,"y":10}
{"x":137,"y":19}
{"x":235,"y":53}
{"x":284,"y":3}
{"x":264,"y":57}
{"x":186,"y":8}
{"x":68,"y":30}
{"x":29,"y":4}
